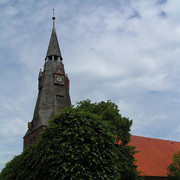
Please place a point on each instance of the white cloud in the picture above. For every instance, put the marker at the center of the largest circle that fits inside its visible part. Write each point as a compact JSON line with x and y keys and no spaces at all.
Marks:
{"x":13,"y":128}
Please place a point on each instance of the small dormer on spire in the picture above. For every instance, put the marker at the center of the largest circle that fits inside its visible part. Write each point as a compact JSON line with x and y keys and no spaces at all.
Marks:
{"x":53,"y":52}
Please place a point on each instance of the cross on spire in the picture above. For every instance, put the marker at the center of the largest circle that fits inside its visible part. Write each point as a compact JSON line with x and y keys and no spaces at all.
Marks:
{"x":53,"y":18}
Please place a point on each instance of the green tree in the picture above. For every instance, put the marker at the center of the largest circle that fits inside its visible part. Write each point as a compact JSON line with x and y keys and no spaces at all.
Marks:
{"x":79,"y":143}
{"x":174,"y":168}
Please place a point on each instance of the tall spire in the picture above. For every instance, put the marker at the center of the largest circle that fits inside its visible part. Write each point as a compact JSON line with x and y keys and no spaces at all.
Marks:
{"x":53,"y":48}
{"x":53,"y":85}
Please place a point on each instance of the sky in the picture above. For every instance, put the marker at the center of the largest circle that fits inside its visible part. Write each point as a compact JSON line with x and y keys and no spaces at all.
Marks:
{"x":125,"y":51}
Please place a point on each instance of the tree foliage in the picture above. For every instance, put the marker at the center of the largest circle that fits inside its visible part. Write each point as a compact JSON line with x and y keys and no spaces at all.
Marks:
{"x":174,"y":168}
{"x":79,"y":143}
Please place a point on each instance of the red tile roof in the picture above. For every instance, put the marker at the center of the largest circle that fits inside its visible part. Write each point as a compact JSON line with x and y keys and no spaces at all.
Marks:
{"x":155,"y":155}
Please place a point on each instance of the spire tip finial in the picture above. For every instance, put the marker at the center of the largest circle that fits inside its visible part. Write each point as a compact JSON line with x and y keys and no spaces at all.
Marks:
{"x":53,"y":15}
{"x":53,"y":18}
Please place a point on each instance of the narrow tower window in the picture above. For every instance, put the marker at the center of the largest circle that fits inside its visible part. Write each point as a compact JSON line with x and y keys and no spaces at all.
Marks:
{"x":50,"y":58}
{"x":55,"y":58}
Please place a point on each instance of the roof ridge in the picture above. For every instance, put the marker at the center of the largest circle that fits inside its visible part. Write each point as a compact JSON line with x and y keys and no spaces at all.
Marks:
{"x":155,"y":138}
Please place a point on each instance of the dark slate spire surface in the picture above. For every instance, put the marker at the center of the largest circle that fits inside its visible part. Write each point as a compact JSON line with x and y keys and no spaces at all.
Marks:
{"x":53,"y":48}
{"x":53,"y":94}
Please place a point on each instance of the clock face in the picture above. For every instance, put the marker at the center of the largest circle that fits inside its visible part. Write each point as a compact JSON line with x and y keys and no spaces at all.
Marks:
{"x":59,"y":79}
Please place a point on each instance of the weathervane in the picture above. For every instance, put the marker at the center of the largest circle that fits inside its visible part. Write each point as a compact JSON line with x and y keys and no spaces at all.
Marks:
{"x":53,"y":18}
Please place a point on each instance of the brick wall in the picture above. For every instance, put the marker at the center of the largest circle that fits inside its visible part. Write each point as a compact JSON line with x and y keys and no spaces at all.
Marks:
{"x":29,"y":139}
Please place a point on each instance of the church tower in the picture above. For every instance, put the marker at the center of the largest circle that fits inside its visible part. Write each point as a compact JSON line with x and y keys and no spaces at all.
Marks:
{"x":53,"y":90}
